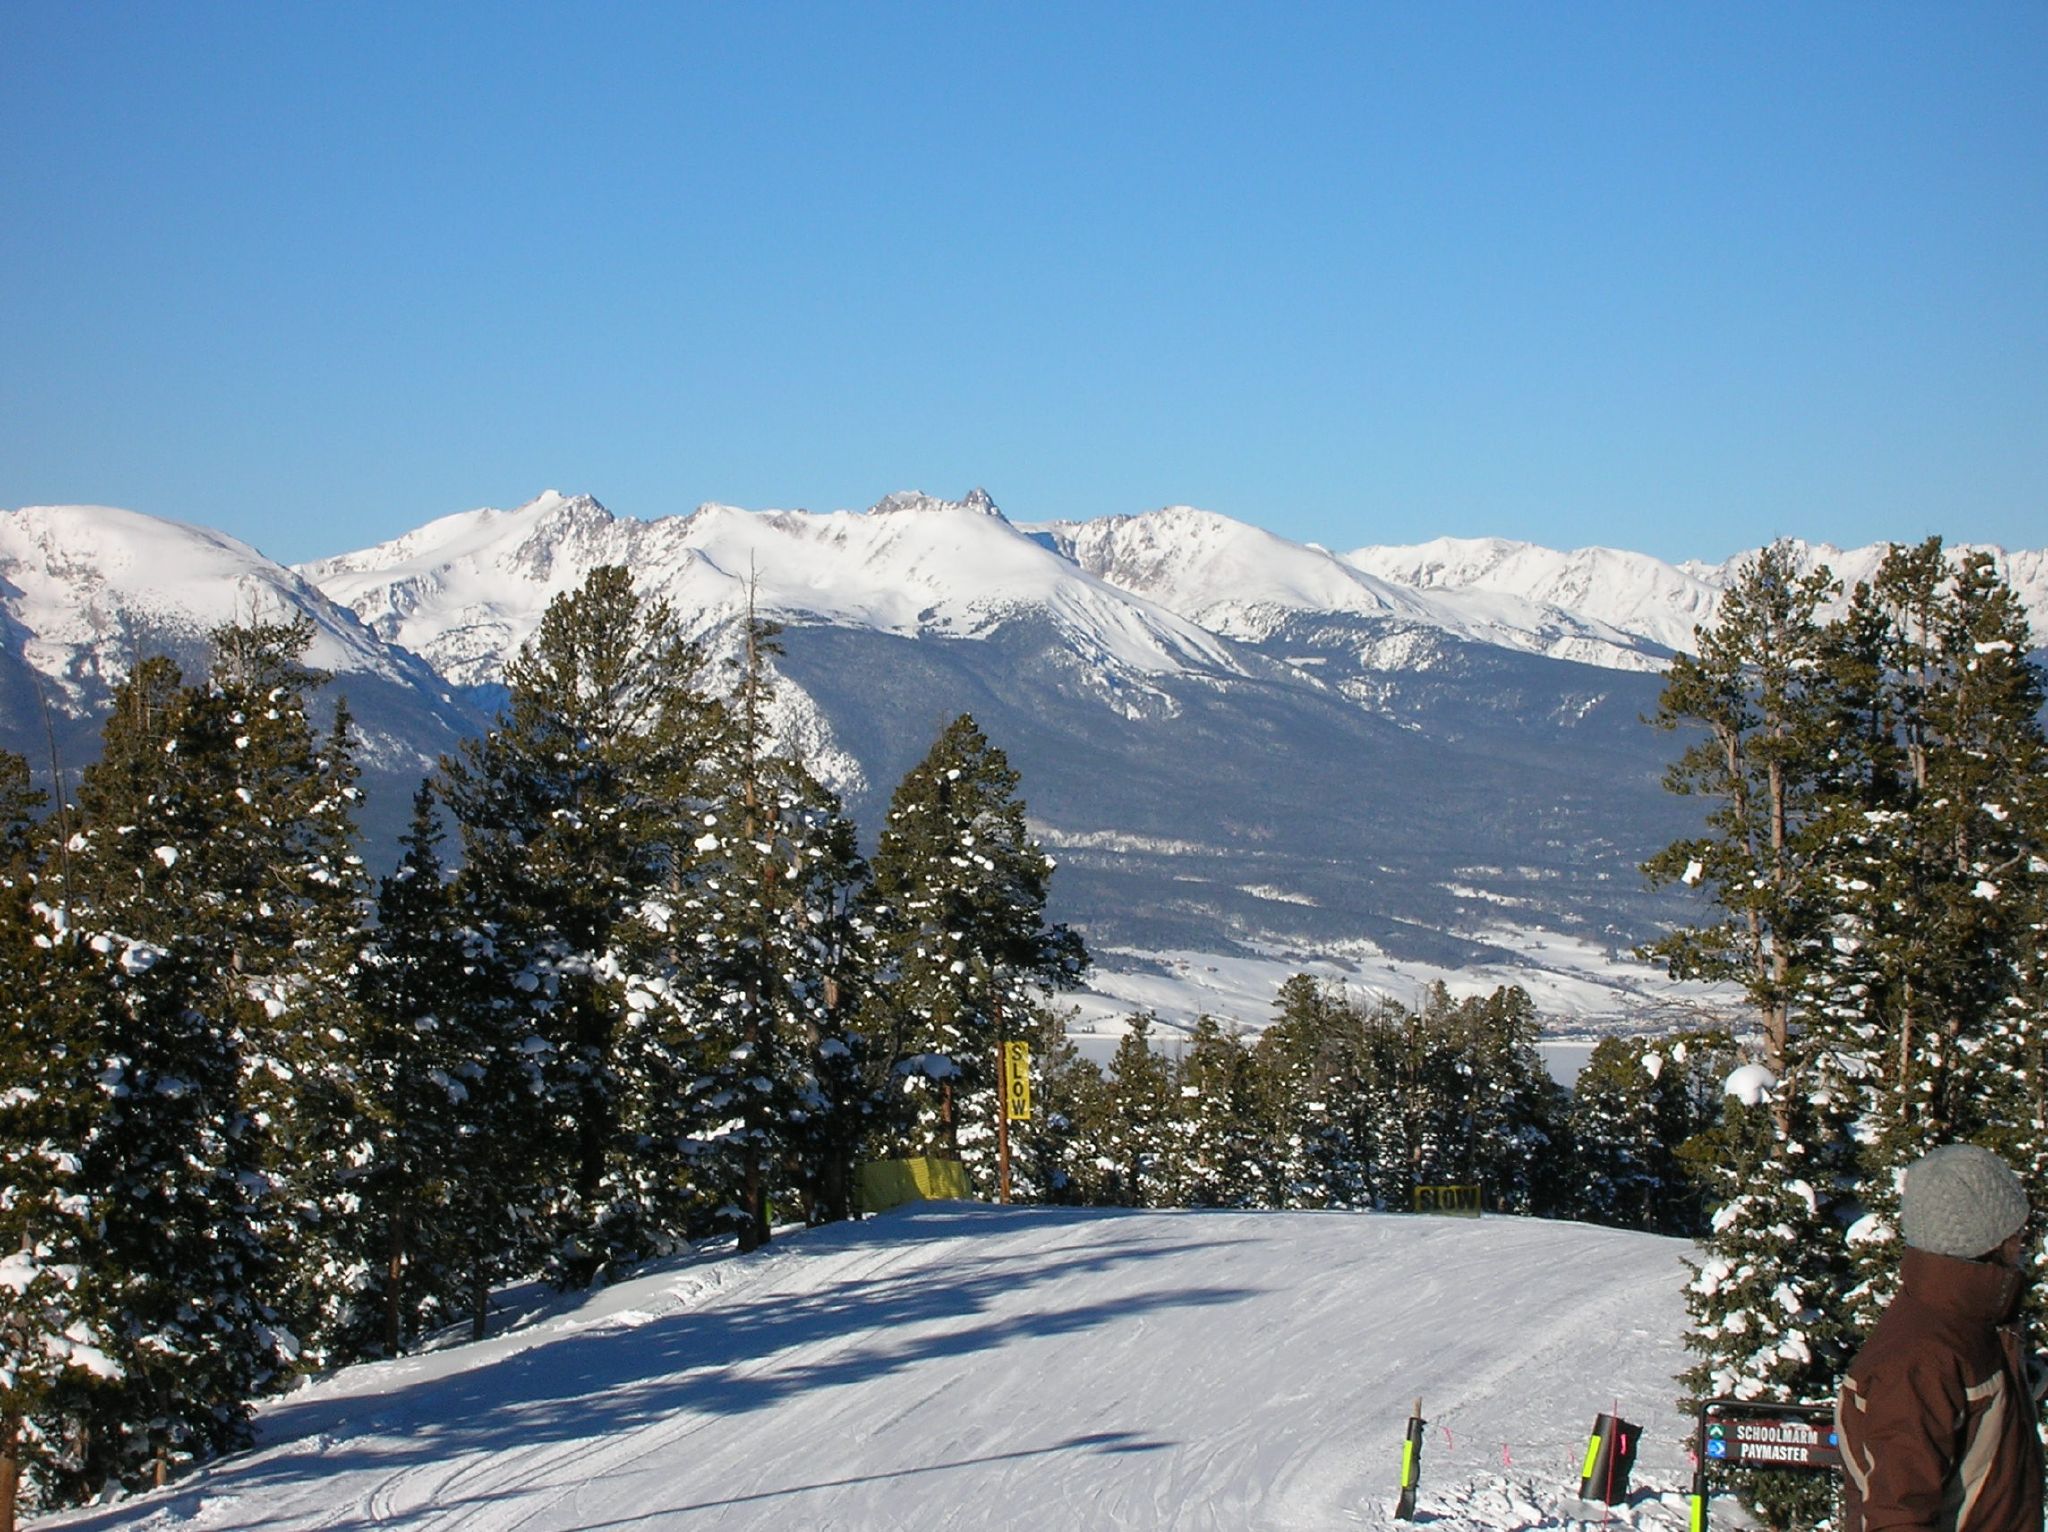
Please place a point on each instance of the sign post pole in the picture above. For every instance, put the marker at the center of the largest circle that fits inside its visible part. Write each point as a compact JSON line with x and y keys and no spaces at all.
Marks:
{"x":1411,"y":1465}
{"x":1699,"y":1476}
{"x":1002,"y":1119}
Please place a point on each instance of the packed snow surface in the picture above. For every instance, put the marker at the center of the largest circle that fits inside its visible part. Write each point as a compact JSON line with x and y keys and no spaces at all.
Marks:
{"x":959,"y":1366}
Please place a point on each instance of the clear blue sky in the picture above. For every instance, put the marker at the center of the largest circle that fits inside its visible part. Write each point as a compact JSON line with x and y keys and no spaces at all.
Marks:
{"x":1672,"y":277}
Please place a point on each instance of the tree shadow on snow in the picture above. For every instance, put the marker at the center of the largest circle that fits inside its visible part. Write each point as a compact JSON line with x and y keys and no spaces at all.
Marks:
{"x":733,"y":1355}
{"x":1097,"y":1443}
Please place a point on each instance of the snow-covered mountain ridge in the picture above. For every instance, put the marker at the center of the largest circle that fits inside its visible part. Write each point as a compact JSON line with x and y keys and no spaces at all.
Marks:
{"x":1144,"y":593}
{"x":87,"y":590}
{"x":1387,"y":764}
{"x":91,"y":585}
{"x":466,"y":591}
{"x":1657,"y":602}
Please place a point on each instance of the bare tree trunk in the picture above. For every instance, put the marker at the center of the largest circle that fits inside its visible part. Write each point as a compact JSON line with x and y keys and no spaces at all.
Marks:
{"x":753,"y":1228}
{"x":10,"y":1468}
{"x":479,"y":1292}
{"x":394,"y":1288}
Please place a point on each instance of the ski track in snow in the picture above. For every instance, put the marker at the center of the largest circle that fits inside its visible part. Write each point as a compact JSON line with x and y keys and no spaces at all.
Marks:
{"x":960,"y":1366}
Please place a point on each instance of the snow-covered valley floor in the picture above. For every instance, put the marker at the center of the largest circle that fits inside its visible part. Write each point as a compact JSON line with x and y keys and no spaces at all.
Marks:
{"x":960,"y":1366}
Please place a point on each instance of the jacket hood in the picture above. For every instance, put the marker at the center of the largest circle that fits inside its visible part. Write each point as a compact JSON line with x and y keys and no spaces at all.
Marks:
{"x":1983,"y":1291}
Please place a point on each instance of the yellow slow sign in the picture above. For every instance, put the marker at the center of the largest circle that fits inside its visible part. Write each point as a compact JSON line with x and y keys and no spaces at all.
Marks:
{"x":1017,"y":1080}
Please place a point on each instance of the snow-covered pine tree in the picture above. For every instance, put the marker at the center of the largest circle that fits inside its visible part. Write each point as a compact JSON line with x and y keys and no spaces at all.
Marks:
{"x":1509,"y":1118}
{"x":215,"y":826}
{"x":1137,"y":1130}
{"x":1761,"y":701}
{"x":958,"y":906}
{"x":1423,"y":1080}
{"x":1312,"y":1073}
{"x":269,"y":809}
{"x":765,"y":899}
{"x":1636,"y":1106}
{"x":1379,"y":1105}
{"x":1220,"y":1144}
{"x":302,"y":797}
{"x":571,"y":808}
{"x":845,"y":1102}
{"x":174,"y":1166}
{"x":440,"y":1108}
{"x":52,"y":1315}
{"x":176,"y":1158}
{"x":1937,"y":855}
{"x":1756,"y":698}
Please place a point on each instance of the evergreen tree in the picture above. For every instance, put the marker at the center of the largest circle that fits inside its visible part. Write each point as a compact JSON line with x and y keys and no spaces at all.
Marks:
{"x":1766,"y":1296}
{"x":958,"y":902}
{"x":1768,"y":707}
{"x":217,"y":827}
{"x":1311,"y":1065}
{"x":574,"y":811}
{"x":1512,"y":1117}
{"x":54,"y":1335}
{"x":174,"y":1165}
{"x":1937,"y":850}
{"x":1758,"y":700}
{"x":441,"y":1107}
{"x":767,"y":897}
{"x":164,"y":880}
{"x":1639,"y":1110}
{"x":1421,"y":1100}
{"x":1137,"y":1138}
{"x":1219,"y":1137}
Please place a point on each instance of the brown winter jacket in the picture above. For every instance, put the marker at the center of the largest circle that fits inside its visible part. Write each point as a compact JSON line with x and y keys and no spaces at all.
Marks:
{"x":1936,"y":1419}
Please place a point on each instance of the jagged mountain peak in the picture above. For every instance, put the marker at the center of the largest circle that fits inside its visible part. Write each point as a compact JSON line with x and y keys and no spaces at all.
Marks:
{"x":917,"y":502}
{"x":466,"y":592}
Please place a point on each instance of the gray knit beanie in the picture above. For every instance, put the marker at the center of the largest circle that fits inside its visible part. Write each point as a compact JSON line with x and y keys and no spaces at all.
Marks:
{"x":1961,"y":1200}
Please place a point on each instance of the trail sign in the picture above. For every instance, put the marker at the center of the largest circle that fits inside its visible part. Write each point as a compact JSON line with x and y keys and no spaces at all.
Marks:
{"x":1738,"y":1434}
{"x":1760,"y":1433}
{"x":1017,"y":1080}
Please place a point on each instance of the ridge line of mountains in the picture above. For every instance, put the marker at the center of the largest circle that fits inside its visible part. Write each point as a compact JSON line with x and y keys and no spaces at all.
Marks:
{"x":1396,"y":762}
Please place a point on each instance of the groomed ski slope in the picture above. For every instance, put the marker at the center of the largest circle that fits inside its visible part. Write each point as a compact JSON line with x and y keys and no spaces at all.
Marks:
{"x":959,"y":1366}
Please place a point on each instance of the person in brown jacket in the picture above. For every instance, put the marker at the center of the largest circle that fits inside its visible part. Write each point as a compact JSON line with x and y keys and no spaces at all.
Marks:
{"x":1937,"y":1417}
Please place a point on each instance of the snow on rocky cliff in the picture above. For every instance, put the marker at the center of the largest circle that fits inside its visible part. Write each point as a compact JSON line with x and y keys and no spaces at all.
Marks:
{"x":1636,"y":594}
{"x":467,"y":590}
{"x":1241,"y":581}
{"x":1631,"y":593}
{"x":88,"y":588}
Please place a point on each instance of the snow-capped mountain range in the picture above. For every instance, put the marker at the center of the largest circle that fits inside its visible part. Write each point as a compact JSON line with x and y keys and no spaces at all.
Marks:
{"x":1151,"y":590}
{"x":1235,"y":743}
